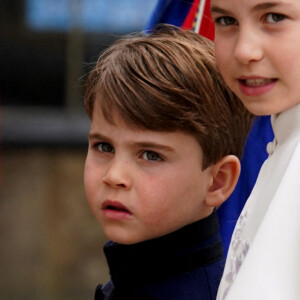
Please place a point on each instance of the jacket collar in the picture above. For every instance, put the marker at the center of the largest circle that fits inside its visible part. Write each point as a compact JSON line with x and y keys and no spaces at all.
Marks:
{"x":192,"y":246}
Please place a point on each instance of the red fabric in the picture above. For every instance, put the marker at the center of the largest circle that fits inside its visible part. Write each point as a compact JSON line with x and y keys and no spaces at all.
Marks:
{"x":207,"y":27}
{"x":190,"y":18}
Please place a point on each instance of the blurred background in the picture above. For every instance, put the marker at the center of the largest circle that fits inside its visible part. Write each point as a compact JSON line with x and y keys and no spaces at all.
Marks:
{"x":51,"y":246}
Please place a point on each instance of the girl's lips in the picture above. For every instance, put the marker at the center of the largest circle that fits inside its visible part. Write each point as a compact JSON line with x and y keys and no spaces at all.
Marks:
{"x":115,"y":210}
{"x":255,"y":86}
{"x":257,"y":82}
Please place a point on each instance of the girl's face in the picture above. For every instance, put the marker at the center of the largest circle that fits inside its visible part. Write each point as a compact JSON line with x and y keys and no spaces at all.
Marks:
{"x":257,"y":45}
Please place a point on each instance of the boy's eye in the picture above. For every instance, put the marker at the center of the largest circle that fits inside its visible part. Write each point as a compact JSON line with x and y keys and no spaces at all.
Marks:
{"x":274,"y":18}
{"x":105,"y":147}
{"x":151,"y":156}
{"x":226,"y":21}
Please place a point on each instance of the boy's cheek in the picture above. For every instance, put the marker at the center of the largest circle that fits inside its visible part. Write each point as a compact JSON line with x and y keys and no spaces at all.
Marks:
{"x":89,"y":180}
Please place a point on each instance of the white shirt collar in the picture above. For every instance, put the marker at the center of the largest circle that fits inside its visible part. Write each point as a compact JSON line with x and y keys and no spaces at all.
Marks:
{"x":286,"y":125}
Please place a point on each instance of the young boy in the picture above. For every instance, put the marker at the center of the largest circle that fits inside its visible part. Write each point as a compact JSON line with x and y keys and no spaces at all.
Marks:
{"x":257,"y":49}
{"x":164,"y":143}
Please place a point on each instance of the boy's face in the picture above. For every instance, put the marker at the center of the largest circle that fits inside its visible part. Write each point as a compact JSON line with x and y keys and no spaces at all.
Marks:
{"x":142,"y":184}
{"x":257,"y":46}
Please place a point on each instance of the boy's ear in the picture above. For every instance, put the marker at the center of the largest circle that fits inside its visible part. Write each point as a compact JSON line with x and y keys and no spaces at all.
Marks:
{"x":224,"y":176}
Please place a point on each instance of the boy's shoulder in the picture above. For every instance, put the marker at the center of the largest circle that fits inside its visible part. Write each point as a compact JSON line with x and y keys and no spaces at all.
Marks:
{"x":199,"y":284}
{"x":185,"y":264}
{"x":108,"y":292}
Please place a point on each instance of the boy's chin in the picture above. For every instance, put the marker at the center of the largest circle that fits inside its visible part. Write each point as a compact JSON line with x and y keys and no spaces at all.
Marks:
{"x":131,"y":239}
{"x":125,"y":239}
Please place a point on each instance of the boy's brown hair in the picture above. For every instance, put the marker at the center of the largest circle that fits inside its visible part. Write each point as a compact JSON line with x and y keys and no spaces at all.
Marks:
{"x":168,"y":80}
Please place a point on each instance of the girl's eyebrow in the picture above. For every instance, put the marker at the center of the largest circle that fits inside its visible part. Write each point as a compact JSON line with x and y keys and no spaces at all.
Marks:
{"x":258,"y":7}
{"x":263,"y":6}
{"x":216,"y":9}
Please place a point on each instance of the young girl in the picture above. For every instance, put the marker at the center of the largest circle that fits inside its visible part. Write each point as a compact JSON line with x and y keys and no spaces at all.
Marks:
{"x":257,"y":47}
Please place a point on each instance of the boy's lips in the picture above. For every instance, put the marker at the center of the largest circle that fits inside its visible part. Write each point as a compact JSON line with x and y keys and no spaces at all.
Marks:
{"x":255,"y":85}
{"x":115,"y":210}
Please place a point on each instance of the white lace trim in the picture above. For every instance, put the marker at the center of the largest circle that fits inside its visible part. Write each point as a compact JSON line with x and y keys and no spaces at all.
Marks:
{"x":239,"y":250}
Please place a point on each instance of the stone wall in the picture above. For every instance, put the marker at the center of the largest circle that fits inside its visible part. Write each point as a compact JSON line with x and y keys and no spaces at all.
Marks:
{"x":51,"y":245}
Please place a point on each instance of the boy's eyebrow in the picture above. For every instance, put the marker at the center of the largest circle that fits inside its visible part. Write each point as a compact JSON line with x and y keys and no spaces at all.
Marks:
{"x":141,"y":144}
{"x":258,"y":7}
{"x":96,"y":136}
{"x":153,"y":145}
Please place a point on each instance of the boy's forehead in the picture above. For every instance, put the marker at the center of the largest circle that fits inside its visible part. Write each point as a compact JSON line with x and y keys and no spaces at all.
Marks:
{"x":100,"y":124}
{"x":113,"y":117}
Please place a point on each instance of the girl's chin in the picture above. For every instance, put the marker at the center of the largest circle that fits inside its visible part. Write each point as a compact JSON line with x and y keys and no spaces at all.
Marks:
{"x":259,"y":109}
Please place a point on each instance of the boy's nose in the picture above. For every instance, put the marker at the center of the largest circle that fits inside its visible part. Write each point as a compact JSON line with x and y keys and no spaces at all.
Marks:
{"x":248,"y":47}
{"x":118,"y":175}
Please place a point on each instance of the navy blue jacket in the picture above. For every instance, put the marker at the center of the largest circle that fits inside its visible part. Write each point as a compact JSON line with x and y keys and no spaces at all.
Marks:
{"x":184,"y":265}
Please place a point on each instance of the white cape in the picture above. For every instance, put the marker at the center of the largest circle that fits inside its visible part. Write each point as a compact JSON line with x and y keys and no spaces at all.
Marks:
{"x":263,"y":261}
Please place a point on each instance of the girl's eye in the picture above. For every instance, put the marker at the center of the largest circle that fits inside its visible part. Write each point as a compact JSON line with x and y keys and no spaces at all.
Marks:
{"x":151,"y":156}
{"x":274,"y":18}
{"x":105,"y":147}
{"x":226,"y":21}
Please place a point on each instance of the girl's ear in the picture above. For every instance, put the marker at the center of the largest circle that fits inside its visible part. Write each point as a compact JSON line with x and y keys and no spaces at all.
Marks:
{"x":224,"y":176}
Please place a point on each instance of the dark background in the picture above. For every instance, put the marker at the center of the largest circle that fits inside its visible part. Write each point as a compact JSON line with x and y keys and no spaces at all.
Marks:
{"x":50,"y":246}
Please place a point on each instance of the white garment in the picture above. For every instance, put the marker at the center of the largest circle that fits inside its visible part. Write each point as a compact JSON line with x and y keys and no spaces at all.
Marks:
{"x":263,"y":261}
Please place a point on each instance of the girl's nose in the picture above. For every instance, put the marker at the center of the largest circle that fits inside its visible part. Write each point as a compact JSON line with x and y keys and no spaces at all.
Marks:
{"x":118,"y":175}
{"x":248,"y":47}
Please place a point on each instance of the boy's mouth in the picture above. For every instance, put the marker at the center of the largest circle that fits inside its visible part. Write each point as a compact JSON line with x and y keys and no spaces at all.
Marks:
{"x":115,"y":206}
